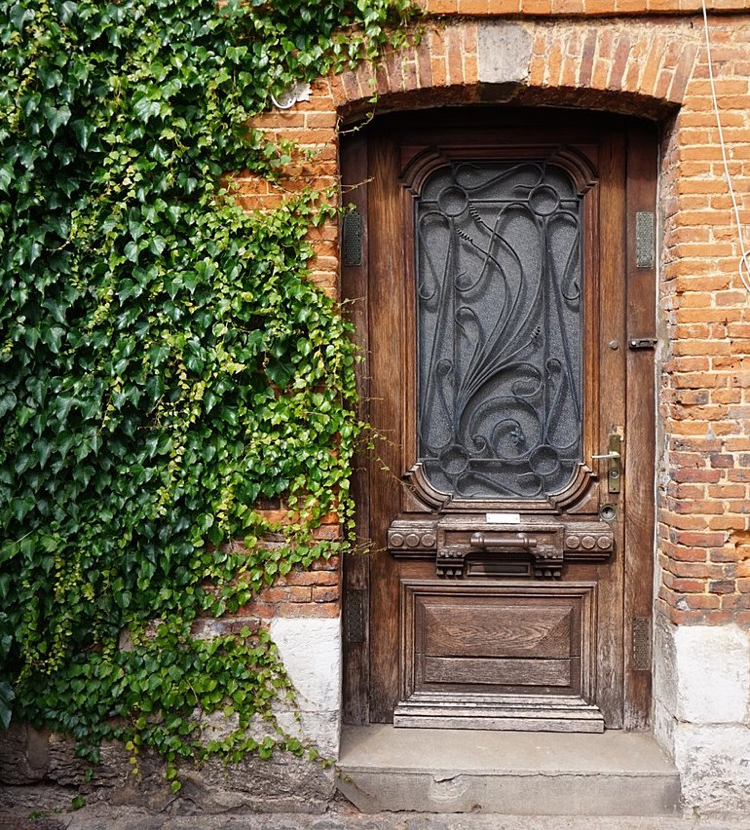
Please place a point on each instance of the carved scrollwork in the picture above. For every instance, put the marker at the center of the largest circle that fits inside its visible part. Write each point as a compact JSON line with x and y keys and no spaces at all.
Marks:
{"x":407,"y":538}
{"x":499,"y":311}
{"x":545,"y":546}
{"x":417,"y":480}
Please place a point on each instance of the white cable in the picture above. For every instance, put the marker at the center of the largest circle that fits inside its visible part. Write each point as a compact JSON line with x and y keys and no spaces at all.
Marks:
{"x":278,"y":105}
{"x":744,"y":264}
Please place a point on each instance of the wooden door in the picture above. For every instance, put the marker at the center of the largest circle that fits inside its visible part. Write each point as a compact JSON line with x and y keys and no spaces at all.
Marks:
{"x":500,"y":267}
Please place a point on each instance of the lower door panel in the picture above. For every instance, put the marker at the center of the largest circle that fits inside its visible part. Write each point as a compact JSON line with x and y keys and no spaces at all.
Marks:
{"x":498,"y":655}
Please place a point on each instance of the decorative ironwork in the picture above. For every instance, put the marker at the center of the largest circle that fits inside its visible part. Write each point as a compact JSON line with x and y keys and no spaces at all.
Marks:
{"x":498,"y":254}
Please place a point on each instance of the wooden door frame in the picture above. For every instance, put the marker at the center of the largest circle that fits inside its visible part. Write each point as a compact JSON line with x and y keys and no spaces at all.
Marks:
{"x":639,"y":471}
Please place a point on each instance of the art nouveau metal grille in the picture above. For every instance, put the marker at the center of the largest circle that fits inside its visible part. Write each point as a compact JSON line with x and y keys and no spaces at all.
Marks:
{"x":499,"y":321}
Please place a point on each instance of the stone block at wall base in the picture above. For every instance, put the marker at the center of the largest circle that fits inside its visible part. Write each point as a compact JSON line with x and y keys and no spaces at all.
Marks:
{"x":40,"y":770}
{"x":284,"y":783}
{"x":310,"y":650}
{"x":702,"y":712}
{"x":714,"y":764}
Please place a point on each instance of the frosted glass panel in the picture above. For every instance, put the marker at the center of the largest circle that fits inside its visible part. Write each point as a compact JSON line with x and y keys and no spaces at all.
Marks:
{"x":499,"y":323}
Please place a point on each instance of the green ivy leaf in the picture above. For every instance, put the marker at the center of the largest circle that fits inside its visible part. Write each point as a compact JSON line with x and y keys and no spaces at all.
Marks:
{"x":165,"y":361}
{"x":56,"y":117}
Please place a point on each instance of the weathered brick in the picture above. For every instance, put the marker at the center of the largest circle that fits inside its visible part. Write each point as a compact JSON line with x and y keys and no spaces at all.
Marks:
{"x":291,"y":593}
{"x":322,"y":593}
{"x":314,"y":578}
{"x":727,"y":522}
{"x":735,"y":602}
{"x":705,"y":376}
{"x":702,"y":601}
{"x":308,"y":609}
{"x":687,"y":586}
{"x":722,"y":586}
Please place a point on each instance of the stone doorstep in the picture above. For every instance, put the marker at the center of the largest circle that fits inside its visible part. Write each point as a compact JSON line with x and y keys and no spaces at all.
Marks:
{"x":382,"y":768}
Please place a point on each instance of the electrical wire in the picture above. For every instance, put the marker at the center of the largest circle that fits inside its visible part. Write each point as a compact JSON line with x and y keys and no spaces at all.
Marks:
{"x":744,"y":264}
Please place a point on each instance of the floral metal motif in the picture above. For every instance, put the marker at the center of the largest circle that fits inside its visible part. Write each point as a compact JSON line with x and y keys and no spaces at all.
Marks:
{"x":499,"y":270}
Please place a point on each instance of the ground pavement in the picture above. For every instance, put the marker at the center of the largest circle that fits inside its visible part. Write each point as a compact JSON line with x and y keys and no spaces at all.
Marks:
{"x":342,"y":817}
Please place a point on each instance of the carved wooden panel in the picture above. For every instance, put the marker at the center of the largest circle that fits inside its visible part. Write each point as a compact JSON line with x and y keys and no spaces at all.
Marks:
{"x":495,"y":645}
{"x":503,"y":629}
{"x":465,"y":546}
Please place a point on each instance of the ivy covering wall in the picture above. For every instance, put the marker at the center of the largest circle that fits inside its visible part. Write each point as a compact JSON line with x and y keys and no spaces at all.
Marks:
{"x":164,"y":362}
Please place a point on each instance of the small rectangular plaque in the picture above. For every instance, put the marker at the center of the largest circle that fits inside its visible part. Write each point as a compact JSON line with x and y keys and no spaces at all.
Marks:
{"x":644,"y":239}
{"x":641,"y":643}
{"x":351,"y":233}
{"x":503,"y":518}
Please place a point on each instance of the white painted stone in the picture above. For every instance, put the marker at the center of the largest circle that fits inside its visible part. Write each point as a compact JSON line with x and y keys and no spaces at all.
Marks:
{"x":320,"y":728}
{"x":664,"y":724}
{"x":713,"y":670}
{"x":503,"y":53}
{"x":702,"y":712}
{"x":714,"y":764}
{"x":665,"y":665}
{"x":311,"y":652}
{"x":702,"y":672}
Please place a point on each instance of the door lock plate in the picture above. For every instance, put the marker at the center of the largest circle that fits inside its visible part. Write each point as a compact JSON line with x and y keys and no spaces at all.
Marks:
{"x":614,"y":463}
{"x":614,"y":468}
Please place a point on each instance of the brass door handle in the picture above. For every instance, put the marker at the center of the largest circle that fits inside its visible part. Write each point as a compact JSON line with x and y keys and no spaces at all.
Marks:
{"x":614,"y":467}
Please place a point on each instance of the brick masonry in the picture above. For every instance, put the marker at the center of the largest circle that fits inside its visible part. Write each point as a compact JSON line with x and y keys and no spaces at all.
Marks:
{"x":643,"y":58}
{"x":648,"y":63}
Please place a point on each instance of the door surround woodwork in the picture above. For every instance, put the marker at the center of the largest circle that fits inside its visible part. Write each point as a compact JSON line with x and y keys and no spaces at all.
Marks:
{"x":601,"y":669}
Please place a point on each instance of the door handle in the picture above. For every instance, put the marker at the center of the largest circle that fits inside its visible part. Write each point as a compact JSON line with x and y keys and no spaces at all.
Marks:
{"x":497,"y":542}
{"x":614,"y":465}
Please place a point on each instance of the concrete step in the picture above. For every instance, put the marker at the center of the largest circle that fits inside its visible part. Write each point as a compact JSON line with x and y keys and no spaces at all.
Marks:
{"x":515,"y":773}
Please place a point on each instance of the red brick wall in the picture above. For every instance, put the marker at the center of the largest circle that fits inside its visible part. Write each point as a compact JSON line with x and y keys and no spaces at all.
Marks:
{"x":589,"y":8}
{"x":643,"y":63}
{"x":704,"y":543}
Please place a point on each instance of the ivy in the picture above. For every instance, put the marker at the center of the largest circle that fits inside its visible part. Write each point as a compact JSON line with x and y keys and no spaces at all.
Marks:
{"x":164,"y":361}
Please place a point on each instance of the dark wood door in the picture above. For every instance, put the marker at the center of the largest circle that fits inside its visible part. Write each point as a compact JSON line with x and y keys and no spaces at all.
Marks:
{"x":500,"y":267}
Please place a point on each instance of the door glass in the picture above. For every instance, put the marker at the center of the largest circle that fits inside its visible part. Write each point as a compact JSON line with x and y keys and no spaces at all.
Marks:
{"x":499,"y":321}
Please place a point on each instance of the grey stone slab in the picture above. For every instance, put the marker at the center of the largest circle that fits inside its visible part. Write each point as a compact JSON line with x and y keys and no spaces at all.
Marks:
{"x":503,"y":53}
{"x":381,"y":746}
{"x":350,"y":820}
{"x":465,"y":771}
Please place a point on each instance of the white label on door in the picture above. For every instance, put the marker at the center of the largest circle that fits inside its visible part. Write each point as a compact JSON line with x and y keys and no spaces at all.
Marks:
{"x":503,"y":518}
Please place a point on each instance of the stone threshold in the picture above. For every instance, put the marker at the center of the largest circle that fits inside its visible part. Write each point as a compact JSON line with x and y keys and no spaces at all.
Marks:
{"x":382,"y":768}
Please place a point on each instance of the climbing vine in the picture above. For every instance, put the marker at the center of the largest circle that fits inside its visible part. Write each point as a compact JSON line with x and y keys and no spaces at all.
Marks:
{"x":164,"y":361}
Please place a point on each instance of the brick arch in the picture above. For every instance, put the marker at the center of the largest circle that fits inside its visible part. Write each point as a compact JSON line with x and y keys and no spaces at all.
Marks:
{"x":634,"y":70}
